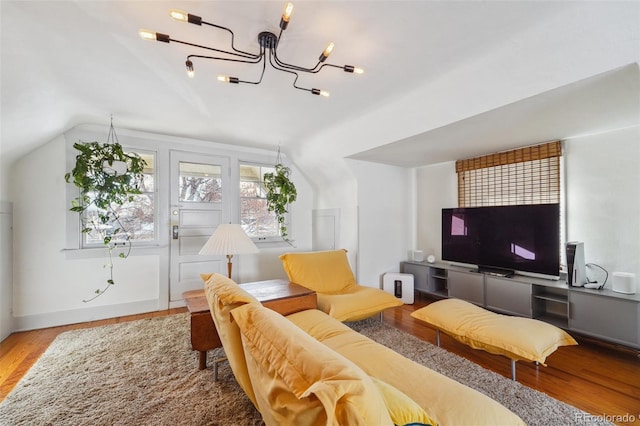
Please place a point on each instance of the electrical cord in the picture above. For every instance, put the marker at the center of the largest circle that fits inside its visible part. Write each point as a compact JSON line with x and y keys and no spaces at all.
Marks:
{"x":606,"y":276}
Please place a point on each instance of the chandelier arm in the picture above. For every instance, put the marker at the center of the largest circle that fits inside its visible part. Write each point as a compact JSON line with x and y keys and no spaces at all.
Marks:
{"x":259,"y":58}
{"x":313,"y":70}
{"x":264,"y":67}
{"x":346,"y":68}
{"x":332,"y":65}
{"x":275,"y":65}
{"x":232,"y":39}
{"x":290,"y":66}
{"x":213,"y":49}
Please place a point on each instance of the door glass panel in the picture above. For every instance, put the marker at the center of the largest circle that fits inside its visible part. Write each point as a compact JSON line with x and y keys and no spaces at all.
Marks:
{"x":200,"y":183}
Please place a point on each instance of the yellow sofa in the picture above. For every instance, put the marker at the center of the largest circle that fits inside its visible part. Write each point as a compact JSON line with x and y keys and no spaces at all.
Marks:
{"x":310,"y":369}
{"x":328,"y":274}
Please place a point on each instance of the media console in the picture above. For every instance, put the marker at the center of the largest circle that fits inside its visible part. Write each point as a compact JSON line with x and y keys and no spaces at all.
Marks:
{"x":604,"y":314}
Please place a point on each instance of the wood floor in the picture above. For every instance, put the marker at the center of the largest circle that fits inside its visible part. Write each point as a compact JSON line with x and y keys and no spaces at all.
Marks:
{"x":601,"y":379}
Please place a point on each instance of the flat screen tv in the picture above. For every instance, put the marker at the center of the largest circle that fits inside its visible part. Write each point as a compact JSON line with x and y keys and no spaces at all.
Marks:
{"x":504,"y":239}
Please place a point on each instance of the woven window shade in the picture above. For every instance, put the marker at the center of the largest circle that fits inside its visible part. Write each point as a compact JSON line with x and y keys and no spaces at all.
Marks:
{"x":529,"y":175}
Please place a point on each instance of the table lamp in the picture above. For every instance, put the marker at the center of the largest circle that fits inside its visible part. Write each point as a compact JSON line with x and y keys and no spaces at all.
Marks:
{"x":228,"y":239}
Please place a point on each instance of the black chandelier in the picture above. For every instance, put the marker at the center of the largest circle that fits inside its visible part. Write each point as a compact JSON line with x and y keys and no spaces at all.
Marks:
{"x":268,"y":42}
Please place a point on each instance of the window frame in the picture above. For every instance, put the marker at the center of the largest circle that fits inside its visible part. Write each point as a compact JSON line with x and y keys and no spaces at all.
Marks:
{"x":539,"y":152}
{"x":269,"y":240}
{"x":132,"y":141}
{"x":83,"y":244}
{"x":162,"y":146}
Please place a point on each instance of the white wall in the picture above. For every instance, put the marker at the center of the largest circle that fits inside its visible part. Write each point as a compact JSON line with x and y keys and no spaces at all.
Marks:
{"x":50,"y":283}
{"x":603,"y":199}
{"x":386,"y":212}
{"x":6,"y":268}
{"x":437,"y":188}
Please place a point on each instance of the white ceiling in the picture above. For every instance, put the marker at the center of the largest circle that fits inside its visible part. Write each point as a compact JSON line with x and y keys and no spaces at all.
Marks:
{"x":66,"y":63}
{"x":598,"y":104}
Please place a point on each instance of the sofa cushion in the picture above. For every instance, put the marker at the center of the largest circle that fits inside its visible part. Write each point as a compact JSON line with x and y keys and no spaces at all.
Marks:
{"x":440,"y":396}
{"x":322,"y":271}
{"x":297,"y":380}
{"x":514,"y":337}
{"x":223,"y":295}
{"x":402,"y":409}
{"x":359,"y":303}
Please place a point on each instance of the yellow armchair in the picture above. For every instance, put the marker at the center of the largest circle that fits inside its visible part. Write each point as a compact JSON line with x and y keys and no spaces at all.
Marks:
{"x":328,"y":273}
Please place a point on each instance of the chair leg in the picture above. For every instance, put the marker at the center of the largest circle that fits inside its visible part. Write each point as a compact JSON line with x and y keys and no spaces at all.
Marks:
{"x":215,"y":367}
{"x":438,"y":338}
{"x":513,"y":369}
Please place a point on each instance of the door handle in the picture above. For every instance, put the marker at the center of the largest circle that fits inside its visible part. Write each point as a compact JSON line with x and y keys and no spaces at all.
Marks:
{"x":175,"y":232}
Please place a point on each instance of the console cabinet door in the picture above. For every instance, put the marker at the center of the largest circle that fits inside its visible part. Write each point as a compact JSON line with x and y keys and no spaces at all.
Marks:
{"x":508,"y":296}
{"x":420,"y":275}
{"x":467,"y":286}
{"x":608,"y":318}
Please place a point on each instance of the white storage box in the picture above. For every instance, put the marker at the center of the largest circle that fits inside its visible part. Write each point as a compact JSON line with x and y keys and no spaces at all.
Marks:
{"x":400,"y":285}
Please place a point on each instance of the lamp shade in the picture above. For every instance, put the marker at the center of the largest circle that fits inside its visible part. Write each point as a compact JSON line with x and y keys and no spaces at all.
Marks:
{"x":228,"y":239}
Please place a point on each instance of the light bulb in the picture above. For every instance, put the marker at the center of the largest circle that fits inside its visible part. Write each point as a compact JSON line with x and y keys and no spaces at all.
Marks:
{"x":319,"y":92}
{"x":328,"y":49}
{"x":147,"y":34}
{"x":190,"y":71}
{"x":286,"y":15}
{"x":352,"y":69}
{"x":288,"y":10}
{"x":153,"y":36}
{"x":179,"y":15}
{"x":227,"y":79}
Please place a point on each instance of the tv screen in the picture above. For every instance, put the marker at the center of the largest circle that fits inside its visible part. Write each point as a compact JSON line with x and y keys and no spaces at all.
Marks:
{"x":522,"y":238}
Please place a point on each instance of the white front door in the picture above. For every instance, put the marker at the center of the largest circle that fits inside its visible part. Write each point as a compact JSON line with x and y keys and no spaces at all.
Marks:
{"x":199,"y":202}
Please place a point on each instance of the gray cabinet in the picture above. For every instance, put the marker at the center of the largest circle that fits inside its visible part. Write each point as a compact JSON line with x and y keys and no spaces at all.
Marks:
{"x":508,"y":296}
{"x":427,"y":279}
{"x":603,"y":314}
{"x":420,"y":275}
{"x":610,"y":318}
{"x":551,"y":304}
{"x":468,"y":286}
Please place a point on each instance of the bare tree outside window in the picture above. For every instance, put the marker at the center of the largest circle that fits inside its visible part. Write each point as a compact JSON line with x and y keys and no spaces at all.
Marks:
{"x":200,"y":183}
{"x":136,"y":217}
{"x":255,"y":218}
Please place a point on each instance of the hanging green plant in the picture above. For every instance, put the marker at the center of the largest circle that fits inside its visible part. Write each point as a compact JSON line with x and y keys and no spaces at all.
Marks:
{"x":280,"y":193}
{"x":108,"y":177}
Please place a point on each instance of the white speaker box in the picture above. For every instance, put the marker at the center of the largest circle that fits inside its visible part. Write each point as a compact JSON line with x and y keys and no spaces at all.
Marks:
{"x":400,"y":285}
{"x":624,"y":282}
{"x":418,"y":255}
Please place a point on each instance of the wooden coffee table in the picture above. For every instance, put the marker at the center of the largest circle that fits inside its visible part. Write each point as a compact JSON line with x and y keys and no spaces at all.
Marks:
{"x":281,"y":296}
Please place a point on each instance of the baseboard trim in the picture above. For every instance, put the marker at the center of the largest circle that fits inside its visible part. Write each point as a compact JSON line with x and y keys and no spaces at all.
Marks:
{"x":74,"y":316}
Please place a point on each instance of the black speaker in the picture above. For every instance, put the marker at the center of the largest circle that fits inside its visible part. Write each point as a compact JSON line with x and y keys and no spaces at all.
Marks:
{"x":397,"y":289}
{"x":576,"y":270}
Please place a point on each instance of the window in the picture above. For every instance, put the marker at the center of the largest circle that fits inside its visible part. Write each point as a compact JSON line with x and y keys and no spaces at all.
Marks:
{"x":528,"y":175}
{"x":136,"y":217}
{"x":256,"y":220}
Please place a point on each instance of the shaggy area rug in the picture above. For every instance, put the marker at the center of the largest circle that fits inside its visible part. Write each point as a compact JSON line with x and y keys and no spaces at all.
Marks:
{"x":145,"y":373}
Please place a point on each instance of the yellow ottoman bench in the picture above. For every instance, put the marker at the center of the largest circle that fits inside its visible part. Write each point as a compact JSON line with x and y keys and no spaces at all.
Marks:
{"x":514,"y":337}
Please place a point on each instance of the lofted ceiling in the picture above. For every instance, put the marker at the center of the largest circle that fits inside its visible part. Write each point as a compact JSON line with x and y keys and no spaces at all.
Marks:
{"x":605,"y":102}
{"x":66,"y":63}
